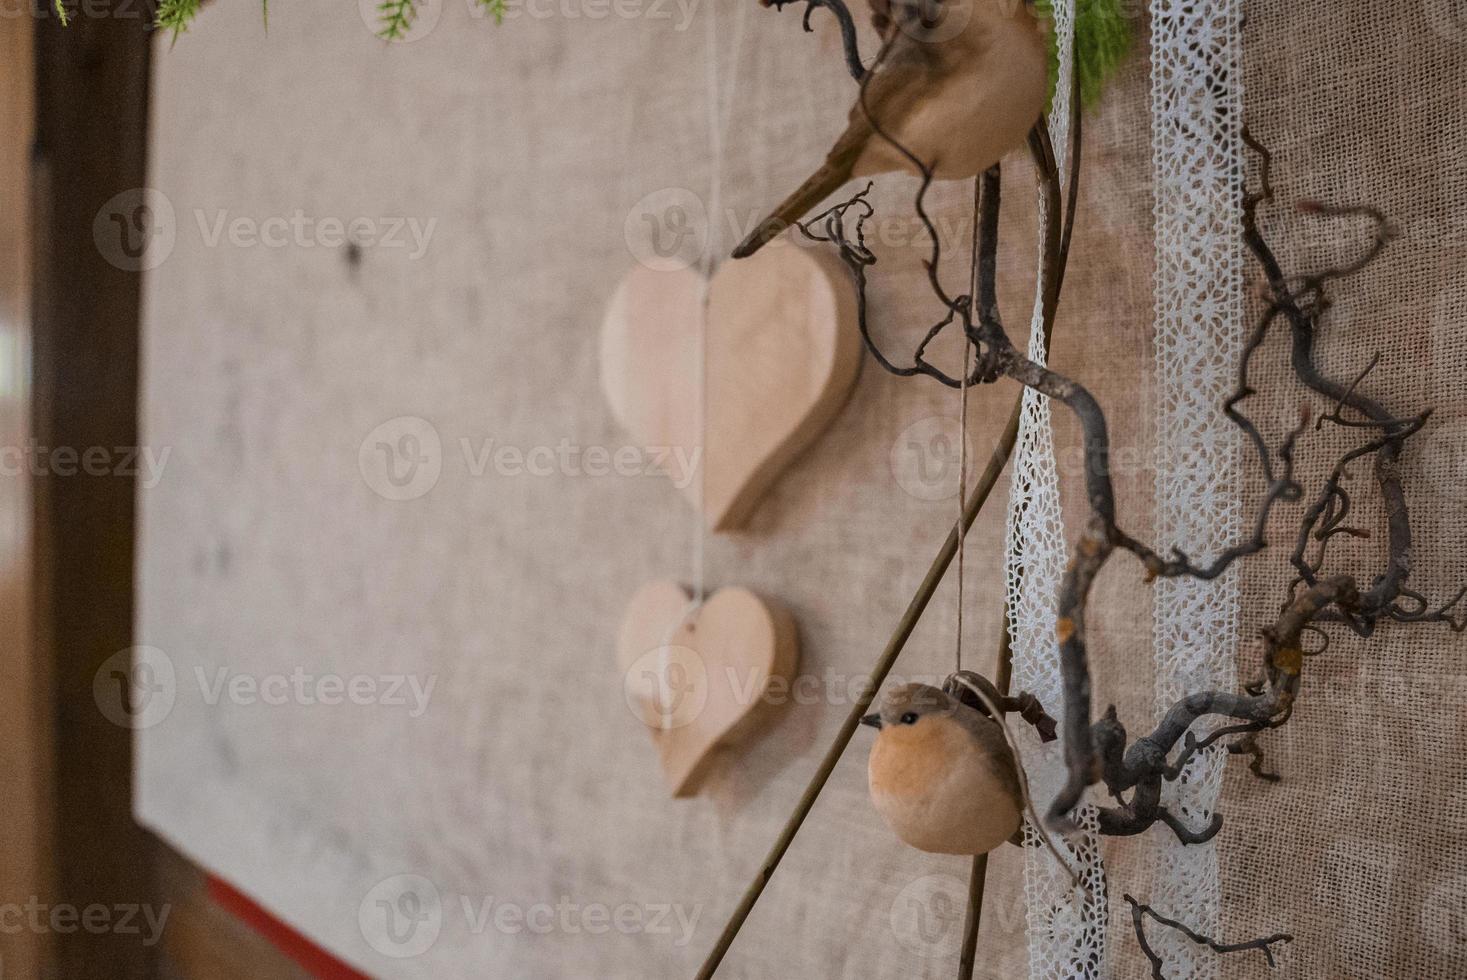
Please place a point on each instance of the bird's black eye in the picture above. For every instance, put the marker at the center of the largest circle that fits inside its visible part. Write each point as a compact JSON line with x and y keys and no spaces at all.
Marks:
{"x":910,"y":718}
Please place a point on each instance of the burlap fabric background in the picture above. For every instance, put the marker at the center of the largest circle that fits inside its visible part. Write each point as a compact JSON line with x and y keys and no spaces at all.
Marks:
{"x":527,"y":780}
{"x":1361,"y":850}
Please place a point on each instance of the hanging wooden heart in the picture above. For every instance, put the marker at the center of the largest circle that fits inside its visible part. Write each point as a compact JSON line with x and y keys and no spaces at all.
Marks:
{"x":781,"y":354}
{"x":700,"y":679}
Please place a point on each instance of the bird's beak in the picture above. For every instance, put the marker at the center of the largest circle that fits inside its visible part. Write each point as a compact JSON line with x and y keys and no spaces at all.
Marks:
{"x":873,"y":719}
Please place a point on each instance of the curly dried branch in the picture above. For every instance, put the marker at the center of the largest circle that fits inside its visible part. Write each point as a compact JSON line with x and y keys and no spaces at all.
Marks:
{"x":1140,"y":912}
{"x":847,"y":24}
{"x":1099,"y":751}
{"x":1133,"y":771}
{"x":1448,"y":613}
{"x":1248,"y":745}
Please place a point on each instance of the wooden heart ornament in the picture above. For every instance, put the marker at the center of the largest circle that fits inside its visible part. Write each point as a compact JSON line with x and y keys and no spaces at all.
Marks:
{"x":782,"y":352}
{"x":699,"y":680}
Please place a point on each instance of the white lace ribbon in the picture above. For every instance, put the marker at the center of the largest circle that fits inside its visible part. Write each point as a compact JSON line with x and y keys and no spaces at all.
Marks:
{"x":1196,"y":110}
{"x":1066,"y":923}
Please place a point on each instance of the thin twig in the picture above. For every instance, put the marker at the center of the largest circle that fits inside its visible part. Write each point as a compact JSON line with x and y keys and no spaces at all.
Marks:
{"x":977,"y":884}
{"x":894,"y":646}
{"x":1133,"y":771}
{"x":1140,"y":912}
{"x":1099,"y":751}
{"x":1248,"y":745}
{"x":847,"y":24}
{"x":977,"y":878}
{"x":983,"y":291}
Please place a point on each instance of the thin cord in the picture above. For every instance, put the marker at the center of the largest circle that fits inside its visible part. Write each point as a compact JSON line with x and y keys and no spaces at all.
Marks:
{"x":719,"y":111}
{"x":963,"y":417}
{"x":707,"y":263}
{"x":719,"y":108}
{"x":993,"y":709}
{"x":1045,"y":835}
{"x":962,"y":492}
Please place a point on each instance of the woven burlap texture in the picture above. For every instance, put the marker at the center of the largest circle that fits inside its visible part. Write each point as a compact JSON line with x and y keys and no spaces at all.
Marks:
{"x":528,"y":780}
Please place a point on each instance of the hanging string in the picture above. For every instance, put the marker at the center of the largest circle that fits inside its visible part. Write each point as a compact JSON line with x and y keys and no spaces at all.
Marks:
{"x":962,"y":491}
{"x":718,"y":110}
{"x":968,"y":353}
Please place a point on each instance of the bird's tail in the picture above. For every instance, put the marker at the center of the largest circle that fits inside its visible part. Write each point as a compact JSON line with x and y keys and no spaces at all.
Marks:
{"x":811,"y":193}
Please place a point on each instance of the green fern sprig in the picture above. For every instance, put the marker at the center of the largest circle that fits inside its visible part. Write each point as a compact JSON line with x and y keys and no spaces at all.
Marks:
{"x":176,"y":15}
{"x":395,"y":18}
{"x":496,"y":9}
{"x":1102,"y":40}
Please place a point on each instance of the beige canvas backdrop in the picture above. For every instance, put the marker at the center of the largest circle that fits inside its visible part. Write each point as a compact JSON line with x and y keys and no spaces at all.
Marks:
{"x":527,"y":780}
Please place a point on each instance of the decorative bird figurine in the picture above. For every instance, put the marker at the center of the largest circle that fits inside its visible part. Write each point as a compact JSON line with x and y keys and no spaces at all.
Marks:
{"x":958,"y":90}
{"x":942,"y":775}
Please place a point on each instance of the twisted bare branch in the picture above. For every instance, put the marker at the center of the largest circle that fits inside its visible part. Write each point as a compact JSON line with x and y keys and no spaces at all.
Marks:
{"x":1140,"y":912}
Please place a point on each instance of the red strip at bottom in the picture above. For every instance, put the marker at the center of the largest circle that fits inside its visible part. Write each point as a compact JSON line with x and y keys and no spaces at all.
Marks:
{"x":312,"y":958}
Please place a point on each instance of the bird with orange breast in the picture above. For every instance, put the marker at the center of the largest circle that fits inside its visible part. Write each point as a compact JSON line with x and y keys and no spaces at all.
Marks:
{"x":960,"y":83}
{"x":942,"y":774}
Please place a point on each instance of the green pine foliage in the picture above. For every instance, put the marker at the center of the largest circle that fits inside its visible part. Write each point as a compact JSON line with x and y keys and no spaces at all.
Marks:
{"x":1102,"y":39}
{"x":396,"y":16}
{"x":496,"y":9}
{"x":176,"y":15}
{"x":1102,"y":35}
